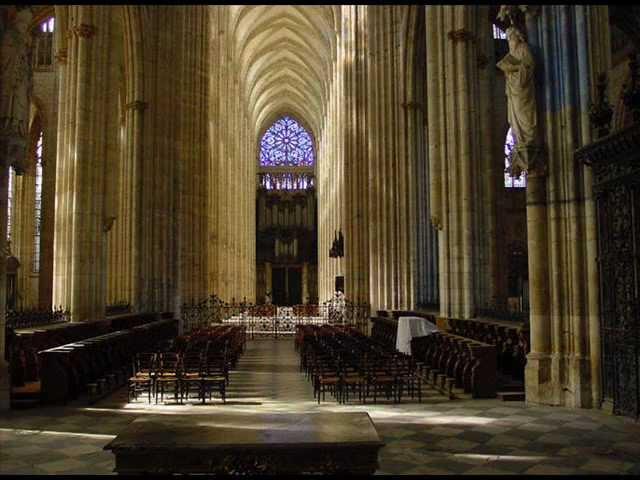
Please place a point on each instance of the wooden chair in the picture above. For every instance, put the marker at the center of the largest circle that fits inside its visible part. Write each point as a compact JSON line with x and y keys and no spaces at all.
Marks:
{"x":168,"y":375}
{"x":192,"y":374}
{"x":326,"y":378}
{"x":352,"y":380}
{"x":144,"y":373}
{"x":214,"y":379}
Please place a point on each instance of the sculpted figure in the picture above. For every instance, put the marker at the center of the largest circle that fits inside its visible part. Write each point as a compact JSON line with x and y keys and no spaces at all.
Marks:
{"x":518,"y":67}
{"x":15,"y":87}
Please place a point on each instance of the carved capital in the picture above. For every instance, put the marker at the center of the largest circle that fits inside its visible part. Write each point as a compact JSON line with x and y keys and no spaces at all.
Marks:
{"x":136,"y":105}
{"x":61,"y":56}
{"x":84,"y":30}
{"x":461,"y":35}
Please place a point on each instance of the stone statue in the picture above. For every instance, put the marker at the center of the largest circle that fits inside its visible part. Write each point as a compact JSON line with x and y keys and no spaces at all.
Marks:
{"x":15,"y":88}
{"x":518,"y":66}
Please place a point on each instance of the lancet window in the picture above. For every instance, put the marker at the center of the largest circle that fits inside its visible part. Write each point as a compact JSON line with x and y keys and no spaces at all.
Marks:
{"x":38,"y":206}
{"x":43,"y":44}
{"x":509,"y":180}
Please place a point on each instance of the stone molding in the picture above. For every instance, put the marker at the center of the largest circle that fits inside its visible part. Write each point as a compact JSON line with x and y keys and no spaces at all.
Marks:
{"x":84,"y":30}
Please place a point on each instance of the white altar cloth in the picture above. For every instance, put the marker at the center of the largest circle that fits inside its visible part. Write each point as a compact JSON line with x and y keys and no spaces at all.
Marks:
{"x":410,"y":327}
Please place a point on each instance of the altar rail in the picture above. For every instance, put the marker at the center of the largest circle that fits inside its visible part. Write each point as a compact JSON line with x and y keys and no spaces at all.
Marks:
{"x":212,"y":310}
{"x":35,"y":317}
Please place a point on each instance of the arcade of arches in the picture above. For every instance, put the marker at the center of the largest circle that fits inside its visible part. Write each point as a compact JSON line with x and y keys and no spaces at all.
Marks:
{"x":172,"y":152}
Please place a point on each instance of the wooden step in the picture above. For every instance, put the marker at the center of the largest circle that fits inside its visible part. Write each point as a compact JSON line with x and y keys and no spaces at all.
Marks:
{"x":511,"y":396}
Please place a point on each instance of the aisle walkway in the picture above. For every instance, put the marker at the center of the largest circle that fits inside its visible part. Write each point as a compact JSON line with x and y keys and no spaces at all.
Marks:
{"x":438,"y":436}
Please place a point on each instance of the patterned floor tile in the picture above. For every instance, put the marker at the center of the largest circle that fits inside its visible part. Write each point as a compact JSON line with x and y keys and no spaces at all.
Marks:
{"x":555,"y":438}
{"x":487,"y":470}
{"x":451,"y":466}
{"x":61,"y":466}
{"x":537,"y":427}
{"x":506,"y":440}
{"x":456,"y":444}
{"x":605,"y":465}
{"x":543,"y":469}
{"x":437,"y":436}
{"x":474,"y":436}
{"x":445,"y":431}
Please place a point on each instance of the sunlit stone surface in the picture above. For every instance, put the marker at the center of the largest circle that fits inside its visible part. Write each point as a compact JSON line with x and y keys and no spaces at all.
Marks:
{"x":437,"y":436}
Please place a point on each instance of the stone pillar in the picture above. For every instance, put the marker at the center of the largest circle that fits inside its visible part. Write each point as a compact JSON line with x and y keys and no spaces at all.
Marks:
{"x":538,"y":383}
{"x":5,"y":382}
{"x":564,"y":360}
{"x":455,"y":151}
{"x":79,"y":265}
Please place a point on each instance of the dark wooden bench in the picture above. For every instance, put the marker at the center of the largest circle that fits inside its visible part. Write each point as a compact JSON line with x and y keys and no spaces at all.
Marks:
{"x":97,"y":365}
{"x":511,"y":342}
{"x":450,"y":361}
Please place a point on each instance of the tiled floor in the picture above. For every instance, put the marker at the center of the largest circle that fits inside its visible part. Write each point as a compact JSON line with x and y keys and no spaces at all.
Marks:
{"x":438,"y":436}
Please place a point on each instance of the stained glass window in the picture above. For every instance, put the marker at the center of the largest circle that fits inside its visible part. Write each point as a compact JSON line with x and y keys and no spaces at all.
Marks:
{"x":286,"y":144}
{"x":498,"y":33}
{"x":38,"y":207}
{"x":11,"y":189}
{"x":286,"y":181}
{"x":509,"y":180}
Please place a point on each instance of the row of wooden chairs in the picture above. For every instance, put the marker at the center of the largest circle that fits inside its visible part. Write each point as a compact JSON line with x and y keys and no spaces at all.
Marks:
{"x":157,"y":374}
{"x":344,"y":362}
{"x":199,"y":362}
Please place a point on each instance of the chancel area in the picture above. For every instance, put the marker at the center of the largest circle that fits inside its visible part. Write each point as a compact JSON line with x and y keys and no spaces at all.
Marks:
{"x":346,"y":239}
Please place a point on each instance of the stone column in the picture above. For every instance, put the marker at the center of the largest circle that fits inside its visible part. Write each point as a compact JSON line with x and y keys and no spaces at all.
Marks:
{"x":538,"y":369}
{"x":79,"y":265}
{"x":454,"y":131}
{"x":5,"y":383}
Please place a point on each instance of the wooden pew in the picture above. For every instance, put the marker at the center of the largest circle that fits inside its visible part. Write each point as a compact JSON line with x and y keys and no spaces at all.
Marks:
{"x":511,"y":342}
{"x":99,"y":364}
{"x":449,"y":361}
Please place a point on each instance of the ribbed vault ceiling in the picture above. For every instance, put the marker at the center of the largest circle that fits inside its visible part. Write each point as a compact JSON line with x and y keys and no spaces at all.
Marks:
{"x":286,"y":56}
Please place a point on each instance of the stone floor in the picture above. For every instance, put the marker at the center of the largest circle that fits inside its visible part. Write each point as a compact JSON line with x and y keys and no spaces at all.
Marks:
{"x":437,"y":436}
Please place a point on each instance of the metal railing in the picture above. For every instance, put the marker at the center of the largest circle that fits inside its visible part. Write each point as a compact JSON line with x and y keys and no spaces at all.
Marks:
{"x":213,"y":310}
{"x":27,"y":318}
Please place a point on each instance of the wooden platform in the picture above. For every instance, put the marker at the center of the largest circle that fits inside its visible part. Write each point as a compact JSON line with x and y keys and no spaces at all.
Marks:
{"x":239,"y":443}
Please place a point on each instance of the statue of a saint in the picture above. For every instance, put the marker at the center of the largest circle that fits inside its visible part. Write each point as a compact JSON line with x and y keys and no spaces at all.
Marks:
{"x":15,"y":88}
{"x":518,"y":67}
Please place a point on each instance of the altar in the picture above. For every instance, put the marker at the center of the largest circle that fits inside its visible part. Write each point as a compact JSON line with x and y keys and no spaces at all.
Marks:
{"x":248,"y":443}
